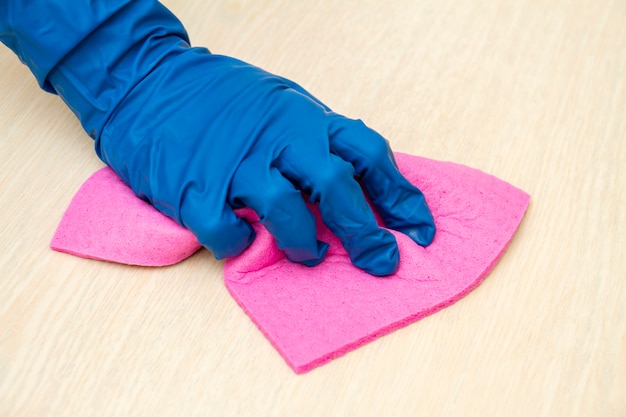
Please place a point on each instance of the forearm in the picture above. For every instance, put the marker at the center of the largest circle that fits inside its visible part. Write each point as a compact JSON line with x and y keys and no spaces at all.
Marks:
{"x":90,"y":53}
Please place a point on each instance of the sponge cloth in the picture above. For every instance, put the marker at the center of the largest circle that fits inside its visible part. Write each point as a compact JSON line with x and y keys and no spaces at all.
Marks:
{"x":106,"y":221}
{"x":312,"y":315}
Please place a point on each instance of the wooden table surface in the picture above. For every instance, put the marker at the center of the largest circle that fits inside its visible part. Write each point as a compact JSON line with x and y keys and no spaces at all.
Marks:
{"x":533,"y":92}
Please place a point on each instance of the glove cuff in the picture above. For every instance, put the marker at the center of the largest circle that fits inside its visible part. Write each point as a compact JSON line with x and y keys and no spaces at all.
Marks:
{"x":100,"y":72}
{"x":91,"y":53}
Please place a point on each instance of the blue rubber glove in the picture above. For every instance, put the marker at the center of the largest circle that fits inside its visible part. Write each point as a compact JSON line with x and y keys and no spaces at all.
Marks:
{"x":199,"y":135}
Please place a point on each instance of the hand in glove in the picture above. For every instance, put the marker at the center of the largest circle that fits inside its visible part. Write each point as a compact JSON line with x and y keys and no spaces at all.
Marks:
{"x":199,"y":135}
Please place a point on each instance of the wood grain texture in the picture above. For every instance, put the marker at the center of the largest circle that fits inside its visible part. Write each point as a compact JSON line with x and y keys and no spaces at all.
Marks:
{"x":533,"y":92}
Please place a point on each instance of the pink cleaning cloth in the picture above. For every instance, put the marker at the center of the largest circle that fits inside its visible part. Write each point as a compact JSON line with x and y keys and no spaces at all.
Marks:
{"x":106,"y":221}
{"x":312,"y":315}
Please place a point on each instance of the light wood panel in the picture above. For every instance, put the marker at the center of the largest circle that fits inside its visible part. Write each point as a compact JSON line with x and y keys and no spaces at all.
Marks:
{"x":533,"y":92}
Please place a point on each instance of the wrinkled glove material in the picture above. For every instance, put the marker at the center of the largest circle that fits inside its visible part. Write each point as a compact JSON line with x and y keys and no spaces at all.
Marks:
{"x":199,"y":135}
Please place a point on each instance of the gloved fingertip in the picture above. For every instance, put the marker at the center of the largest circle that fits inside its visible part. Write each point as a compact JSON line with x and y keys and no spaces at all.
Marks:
{"x":241,"y":238}
{"x":423,"y":234}
{"x":412,"y":217}
{"x":322,"y":250}
{"x":382,"y":259}
{"x":308,"y":256}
